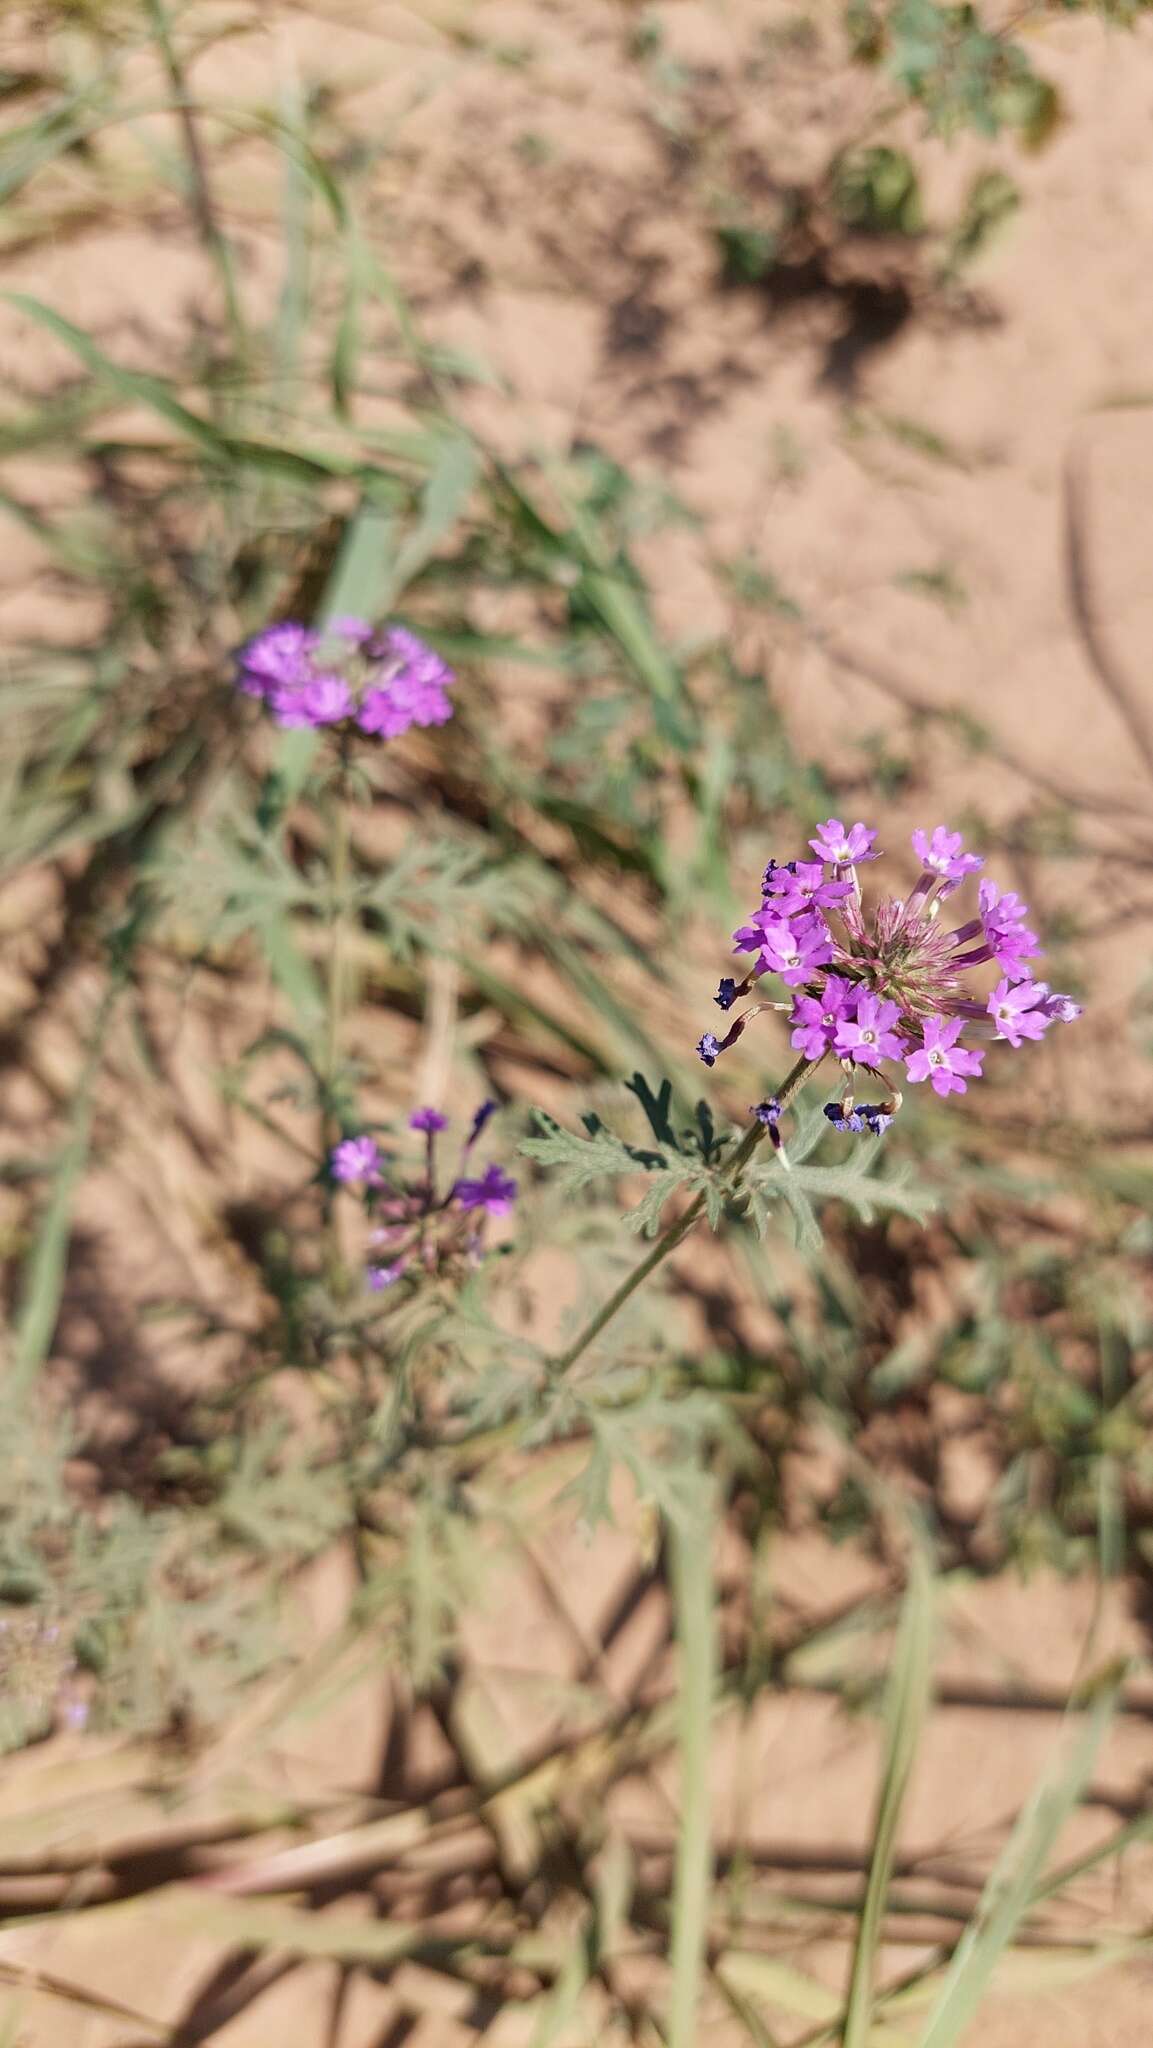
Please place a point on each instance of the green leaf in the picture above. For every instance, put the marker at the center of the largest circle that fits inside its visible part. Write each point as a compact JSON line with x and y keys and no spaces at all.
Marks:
{"x":906,"y":1707}
{"x":691,"y":1557}
{"x":1016,"y":1878}
{"x":445,"y":495}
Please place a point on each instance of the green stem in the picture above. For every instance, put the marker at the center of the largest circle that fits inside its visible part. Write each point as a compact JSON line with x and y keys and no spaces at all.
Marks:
{"x":331,"y":1127}
{"x":678,"y":1231}
{"x":203,"y":208}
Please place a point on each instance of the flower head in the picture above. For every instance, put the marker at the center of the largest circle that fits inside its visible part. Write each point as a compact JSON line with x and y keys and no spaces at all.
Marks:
{"x":888,"y":983}
{"x":429,"y":1120}
{"x":791,"y":947}
{"x":868,"y":1037}
{"x":1007,"y":937}
{"x":380,"y":679}
{"x":941,"y":856}
{"x":356,"y":1159}
{"x":803,"y":886}
{"x":817,"y":1018}
{"x":843,"y":848}
{"x":941,"y":1060}
{"x":495,"y":1192}
{"x":1018,"y":1010}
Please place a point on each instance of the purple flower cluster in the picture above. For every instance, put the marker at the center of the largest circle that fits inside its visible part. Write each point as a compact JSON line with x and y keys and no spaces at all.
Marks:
{"x":420,"y":1225}
{"x":378,"y":680}
{"x":889,"y":986}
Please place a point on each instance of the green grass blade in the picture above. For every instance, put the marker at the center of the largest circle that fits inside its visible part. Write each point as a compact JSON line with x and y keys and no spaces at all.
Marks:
{"x":47,"y":1263}
{"x":445,"y":496}
{"x":1016,"y":1878}
{"x":692,"y":1579}
{"x":906,"y":1705}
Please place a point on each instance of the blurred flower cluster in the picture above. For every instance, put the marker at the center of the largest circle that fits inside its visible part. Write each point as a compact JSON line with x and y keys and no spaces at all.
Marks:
{"x":422,"y":1223}
{"x":377,"y":680}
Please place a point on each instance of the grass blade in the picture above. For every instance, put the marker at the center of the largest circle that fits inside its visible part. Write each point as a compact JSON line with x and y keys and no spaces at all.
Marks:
{"x":906,"y":1705}
{"x":1016,"y":1878}
{"x":692,"y":1585}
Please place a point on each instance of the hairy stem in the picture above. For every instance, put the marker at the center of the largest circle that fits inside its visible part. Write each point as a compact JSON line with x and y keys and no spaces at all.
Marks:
{"x":675,"y":1234}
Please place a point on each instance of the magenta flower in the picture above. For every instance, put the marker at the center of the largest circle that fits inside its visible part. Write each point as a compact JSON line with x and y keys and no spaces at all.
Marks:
{"x":1018,"y":1010}
{"x":383,"y":679}
{"x":887,"y":983}
{"x":356,"y":1159}
{"x":1059,"y":1009}
{"x":495,"y":1192}
{"x":816,"y":1018}
{"x":280,"y":656}
{"x":792,"y":948}
{"x":941,"y":1060}
{"x":942,"y":856}
{"x":869,"y":1037}
{"x":326,"y":700}
{"x":844,"y":849}
{"x":1007,"y":937}
{"x":429,"y":1120}
{"x":802,"y":886}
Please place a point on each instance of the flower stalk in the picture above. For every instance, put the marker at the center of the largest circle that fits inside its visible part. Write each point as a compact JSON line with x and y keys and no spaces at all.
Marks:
{"x":678,"y":1230}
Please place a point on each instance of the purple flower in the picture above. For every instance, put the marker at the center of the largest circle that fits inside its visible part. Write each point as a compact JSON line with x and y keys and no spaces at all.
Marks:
{"x":410,"y":688}
{"x":843,"y":1119}
{"x":326,"y":700}
{"x":1018,"y":1011}
{"x":1008,"y":938}
{"x":802,"y":887}
{"x":279,"y":654}
{"x":816,"y":1018}
{"x":791,"y":948}
{"x":356,"y":1159}
{"x":767,"y":1113}
{"x":942,"y":856}
{"x":843,"y":848}
{"x":380,"y":1277}
{"x":941,"y":1060}
{"x":494,"y":1192}
{"x":869,"y":1037}
{"x":1061,"y":1009}
{"x":429,"y":1120}
{"x":384,"y":677}
{"x":888,"y":983}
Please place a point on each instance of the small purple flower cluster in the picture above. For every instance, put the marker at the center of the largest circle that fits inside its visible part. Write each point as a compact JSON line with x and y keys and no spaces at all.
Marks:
{"x":888,"y":987}
{"x":419,"y":1228}
{"x":376,"y":680}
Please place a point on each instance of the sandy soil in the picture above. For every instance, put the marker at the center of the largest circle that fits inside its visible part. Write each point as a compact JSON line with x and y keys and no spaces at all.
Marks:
{"x":548,"y":205}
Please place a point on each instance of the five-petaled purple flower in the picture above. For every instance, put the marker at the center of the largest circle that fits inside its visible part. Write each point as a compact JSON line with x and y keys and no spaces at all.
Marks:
{"x":382,"y":680}
{"x":356,"y":1159}
{"x":942,"y":857}
{"x":888,"y":984}
{"x":868,"y":1037}
{"x":494,"y":1192}
{"x":941,"y":1060}
{"x":844,"y":849}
